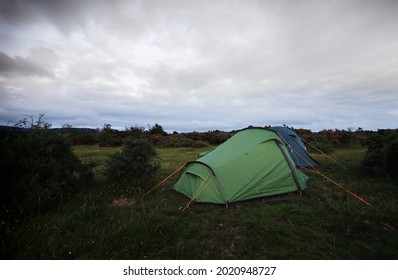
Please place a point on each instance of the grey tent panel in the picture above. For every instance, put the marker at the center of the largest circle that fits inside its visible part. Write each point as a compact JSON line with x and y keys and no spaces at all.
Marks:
{"x":297,"y":148}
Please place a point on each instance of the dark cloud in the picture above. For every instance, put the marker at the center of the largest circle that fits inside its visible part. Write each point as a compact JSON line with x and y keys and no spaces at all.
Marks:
{"x":64,"y":14}
{"x":71,"y":15}
{"x":21,"y":66}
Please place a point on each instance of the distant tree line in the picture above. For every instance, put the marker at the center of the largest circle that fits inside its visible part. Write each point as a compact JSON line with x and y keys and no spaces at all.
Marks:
{"x":109,"y":137}
{"x":106,"y":136}
{"x":325,"y":140}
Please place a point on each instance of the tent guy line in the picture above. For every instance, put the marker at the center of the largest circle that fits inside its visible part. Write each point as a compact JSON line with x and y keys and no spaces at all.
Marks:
{"x":316,"y":171}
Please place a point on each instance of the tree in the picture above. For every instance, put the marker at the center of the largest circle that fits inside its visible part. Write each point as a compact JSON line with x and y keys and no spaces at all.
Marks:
{"x":39,"y":124}
{"x":157,"y":129}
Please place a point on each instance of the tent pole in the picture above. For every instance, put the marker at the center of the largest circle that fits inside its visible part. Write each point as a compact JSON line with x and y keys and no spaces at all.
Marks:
{"x":167,"y":178}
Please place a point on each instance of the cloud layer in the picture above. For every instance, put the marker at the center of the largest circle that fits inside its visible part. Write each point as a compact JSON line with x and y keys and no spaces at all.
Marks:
{"x":201,"y":65}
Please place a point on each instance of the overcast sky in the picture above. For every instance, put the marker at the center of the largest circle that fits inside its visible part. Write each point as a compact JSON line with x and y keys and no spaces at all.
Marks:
{"x":200,"y":65}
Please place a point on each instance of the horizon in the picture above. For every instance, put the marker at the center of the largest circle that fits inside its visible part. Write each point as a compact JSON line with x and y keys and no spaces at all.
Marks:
{"x":149,"y":126}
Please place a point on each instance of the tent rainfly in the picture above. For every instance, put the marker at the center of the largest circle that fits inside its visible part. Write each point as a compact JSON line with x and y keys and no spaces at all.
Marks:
{"x":297,"y":149}
{"x":255,"y":162}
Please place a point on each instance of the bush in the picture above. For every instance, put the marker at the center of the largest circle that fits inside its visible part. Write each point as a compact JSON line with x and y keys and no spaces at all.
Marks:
{"x":372,"y":164}
{"x":108,"y":137}
{"x":176,"y":140}
{"x":381,"y":155}
{"x":38,"y":171}
{"x":390,"y":157}
{"x":135,"y":165}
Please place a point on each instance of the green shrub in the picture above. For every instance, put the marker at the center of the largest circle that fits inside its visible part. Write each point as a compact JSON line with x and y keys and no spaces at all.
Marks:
{"x":176,"y":140}
{"x":135,"y":165}
{"x":382,"y":153}
{"x":108,"y":137}
{"x":372,"y":164}
{"x":390,"y":157}
{"x":38,"y":171}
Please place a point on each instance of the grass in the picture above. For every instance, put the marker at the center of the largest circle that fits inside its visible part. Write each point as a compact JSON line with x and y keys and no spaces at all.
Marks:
{"x":325,"y":223}
{"x":96,"y":155}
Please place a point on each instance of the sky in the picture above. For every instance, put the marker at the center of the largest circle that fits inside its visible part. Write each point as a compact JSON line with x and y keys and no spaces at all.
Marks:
{"x":200,"y":65}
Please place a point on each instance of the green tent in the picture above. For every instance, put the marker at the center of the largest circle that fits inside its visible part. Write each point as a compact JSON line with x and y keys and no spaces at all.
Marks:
{"x":254,"y":163}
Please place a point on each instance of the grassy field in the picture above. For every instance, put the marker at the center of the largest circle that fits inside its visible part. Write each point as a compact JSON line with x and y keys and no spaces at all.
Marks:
{"x":324,"y":223}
